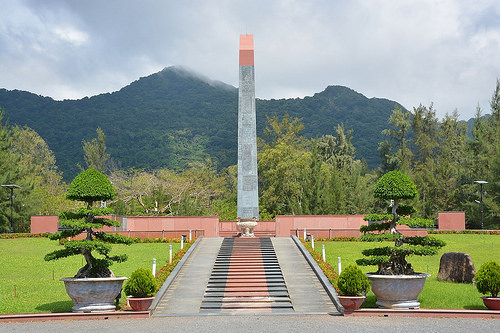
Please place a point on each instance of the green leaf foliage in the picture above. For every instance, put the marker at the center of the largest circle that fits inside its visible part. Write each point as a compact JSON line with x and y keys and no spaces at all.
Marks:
{"x":375,"y":227}
{"x":488,"y":279}
{"x":395,"y":185}
{"x":141,"y":284}
{"x":89,"y":186}
{"x":113,"y":238}
{"x":416,"y":222}
{"x":405,"y":210}
{"x":373,"y":260}
{"x":352,"y":281}
{"x":378,"y":217}
{"x":379,"y":237}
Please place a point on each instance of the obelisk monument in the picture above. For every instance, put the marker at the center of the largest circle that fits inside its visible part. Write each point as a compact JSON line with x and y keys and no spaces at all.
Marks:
{"x":248,"y":197}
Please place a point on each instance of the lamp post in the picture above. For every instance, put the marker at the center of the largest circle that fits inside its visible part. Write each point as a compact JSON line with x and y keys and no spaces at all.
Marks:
{"x":11,"y":187}
{"x":481,"y":182}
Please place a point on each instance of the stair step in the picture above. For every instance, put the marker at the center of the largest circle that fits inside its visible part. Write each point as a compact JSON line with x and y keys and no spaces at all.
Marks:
{"x":246,"y":277}
{"x":245,"y":305}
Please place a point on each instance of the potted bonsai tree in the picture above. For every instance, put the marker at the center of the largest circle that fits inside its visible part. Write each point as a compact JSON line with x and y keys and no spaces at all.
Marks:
{"x":395,"y":284}
{"x":141,"y":287}
{"x":94,"y":287}
{"x":352,"y":285}
{"x":488,"y":282}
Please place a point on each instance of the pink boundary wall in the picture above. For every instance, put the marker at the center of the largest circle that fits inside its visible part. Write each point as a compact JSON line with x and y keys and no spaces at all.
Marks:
{"x":451,"y":220}
{"x":44,"y":223}
{"x":324,"y":226}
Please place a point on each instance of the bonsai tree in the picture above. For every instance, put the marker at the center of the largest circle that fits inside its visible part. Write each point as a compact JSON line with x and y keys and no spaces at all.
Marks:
{"x":89,"y":186}
{"x":141,"y":284}
{"x":488,"y":279}
{"x":391,"y":260}
{"x":352,"y":282}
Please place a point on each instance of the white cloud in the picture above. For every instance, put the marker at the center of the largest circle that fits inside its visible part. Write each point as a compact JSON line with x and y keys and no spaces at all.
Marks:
{"x":418,"y":51}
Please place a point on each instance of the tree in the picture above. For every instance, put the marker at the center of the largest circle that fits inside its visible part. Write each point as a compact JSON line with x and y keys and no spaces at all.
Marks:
{"x":89,"y":186}
{"x":425,"y":127}
{"x":12,"y":172}
{"x":283,"y":161}
{"x":396,"y":152}
{"x":391,"y":260}
{"x":95,"y":152}
{"x":42,"y":171}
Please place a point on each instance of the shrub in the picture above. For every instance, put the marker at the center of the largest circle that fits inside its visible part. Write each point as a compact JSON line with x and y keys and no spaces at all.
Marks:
{"x":488,"y":279}
{"x":352,"y":281}
{"x":142,"y":283}
{"x":89,"y":186}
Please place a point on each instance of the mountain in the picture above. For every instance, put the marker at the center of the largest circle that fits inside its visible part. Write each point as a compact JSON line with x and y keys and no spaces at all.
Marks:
{"x":174,"y":117}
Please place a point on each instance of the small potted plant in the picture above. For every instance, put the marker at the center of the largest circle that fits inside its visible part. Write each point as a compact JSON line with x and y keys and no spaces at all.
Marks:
{"x":488,"y":282}
{"x":352,"y":285}
{"x":140,"y":287}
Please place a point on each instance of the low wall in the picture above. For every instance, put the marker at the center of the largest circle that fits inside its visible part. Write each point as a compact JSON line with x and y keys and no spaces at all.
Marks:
{"x":320,"y":226}
{"x":451,"y":220}
{"x":209,"y":224}
{"x":44,"y":223}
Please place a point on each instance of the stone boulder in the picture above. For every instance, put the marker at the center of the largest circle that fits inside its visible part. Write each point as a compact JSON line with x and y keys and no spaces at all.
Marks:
{"x":456,"y":267}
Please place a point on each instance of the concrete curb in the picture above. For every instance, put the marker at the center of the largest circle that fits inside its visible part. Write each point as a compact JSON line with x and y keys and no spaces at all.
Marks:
{"x":321,"y":276}
{"x":173,"y":274}
{"x":427,"y":313}
{"x":31,"y":317}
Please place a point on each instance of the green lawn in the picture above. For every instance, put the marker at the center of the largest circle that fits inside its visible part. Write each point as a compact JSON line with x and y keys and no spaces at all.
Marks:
{"x":37,"y":282}
{"x":436,"y":294}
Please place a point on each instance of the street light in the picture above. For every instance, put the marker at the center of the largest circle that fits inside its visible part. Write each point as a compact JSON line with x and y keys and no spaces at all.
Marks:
{"x":12,"y":187}
{"x":481,"y":182}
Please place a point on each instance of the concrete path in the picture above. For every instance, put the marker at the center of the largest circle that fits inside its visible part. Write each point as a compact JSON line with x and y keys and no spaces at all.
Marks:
{"x":306,"y":292}
{"x":186,"y":292}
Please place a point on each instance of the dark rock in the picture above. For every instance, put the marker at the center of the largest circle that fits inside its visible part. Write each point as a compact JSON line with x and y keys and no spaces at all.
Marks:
{"x":456,"y":267}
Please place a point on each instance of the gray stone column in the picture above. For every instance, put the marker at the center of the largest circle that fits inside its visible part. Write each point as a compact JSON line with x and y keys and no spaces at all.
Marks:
{"x":248,"y":198}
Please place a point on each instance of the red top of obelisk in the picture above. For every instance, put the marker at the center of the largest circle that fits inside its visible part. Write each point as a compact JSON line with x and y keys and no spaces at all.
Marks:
{"x":246,"y":50}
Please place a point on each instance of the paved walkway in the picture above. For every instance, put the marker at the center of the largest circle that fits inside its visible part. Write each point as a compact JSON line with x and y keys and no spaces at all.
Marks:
{"x":186,"y":292}
{"x":185,"y":295}
{"x":306,"y":292}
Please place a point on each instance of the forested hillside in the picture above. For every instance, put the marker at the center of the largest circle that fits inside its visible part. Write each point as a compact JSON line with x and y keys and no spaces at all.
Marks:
{"x":173,"y":118}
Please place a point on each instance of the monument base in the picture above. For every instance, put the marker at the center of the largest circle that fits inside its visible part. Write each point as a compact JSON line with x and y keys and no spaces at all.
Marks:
{"x":246,"y":226}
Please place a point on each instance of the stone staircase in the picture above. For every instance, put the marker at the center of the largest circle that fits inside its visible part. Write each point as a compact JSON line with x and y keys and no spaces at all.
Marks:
{"x":246,"y":277}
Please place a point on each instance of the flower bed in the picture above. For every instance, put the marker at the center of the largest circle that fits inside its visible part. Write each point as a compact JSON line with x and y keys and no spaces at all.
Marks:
{"x":24,"y":235}
{"x":465,"y":232}
{"x":330,"y":273}
{"x":337,"y":239}
{"x":165,"y":271}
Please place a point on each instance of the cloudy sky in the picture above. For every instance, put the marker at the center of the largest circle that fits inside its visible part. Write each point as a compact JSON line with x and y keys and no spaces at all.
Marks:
{"x":445,"y":52}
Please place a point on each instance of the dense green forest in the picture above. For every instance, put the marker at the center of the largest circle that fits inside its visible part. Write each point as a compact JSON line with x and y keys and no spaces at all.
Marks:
{"x":301,"y":170}
{"x":174,"y":118}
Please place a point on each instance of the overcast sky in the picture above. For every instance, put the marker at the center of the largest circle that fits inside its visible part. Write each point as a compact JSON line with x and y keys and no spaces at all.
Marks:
{"x":444,"y":52}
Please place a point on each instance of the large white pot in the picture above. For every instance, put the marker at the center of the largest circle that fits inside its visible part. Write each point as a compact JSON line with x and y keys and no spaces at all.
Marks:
{"x":93,"y":294}
{"x":397,"y":291}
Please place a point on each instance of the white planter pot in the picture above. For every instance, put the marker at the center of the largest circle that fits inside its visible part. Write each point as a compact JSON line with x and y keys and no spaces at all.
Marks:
{"x":397,"y":291}
{"x":93,"y":294}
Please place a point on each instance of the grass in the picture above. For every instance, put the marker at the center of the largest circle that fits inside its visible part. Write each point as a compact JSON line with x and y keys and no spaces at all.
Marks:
{"x":436,"y":294}
{"x":29,"y":284}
